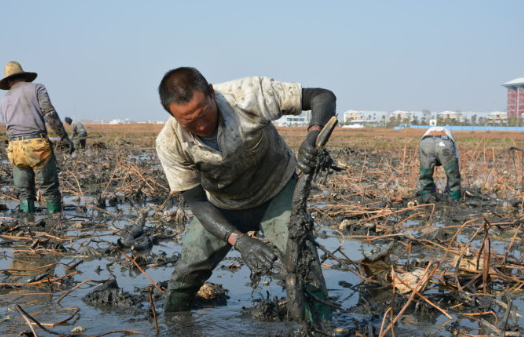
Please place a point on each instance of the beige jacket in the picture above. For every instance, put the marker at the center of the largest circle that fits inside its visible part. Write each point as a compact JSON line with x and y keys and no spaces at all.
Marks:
{"x":253,"y":162}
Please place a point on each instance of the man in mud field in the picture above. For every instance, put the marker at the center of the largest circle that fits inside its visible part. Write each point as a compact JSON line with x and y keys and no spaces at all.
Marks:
{"x":26,"y":108}
{"x":79,"y":133}
{"x":438,"y":148}
{"x":221,"y":151}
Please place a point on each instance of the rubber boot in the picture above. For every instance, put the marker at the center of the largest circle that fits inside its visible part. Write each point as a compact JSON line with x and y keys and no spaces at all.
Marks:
{"x":27,"y":206}
{"x":427,"y":185}
{"x":176,"y":300}
{"x":318,"y":312}
{"x":54,"y":206}
{"x":455,"y":195}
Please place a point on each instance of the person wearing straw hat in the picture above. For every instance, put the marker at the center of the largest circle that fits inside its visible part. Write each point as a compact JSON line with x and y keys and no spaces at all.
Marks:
{"x":26,"y":108}
{"x":438,"y":148}
{"x":221,"y":150}
{"x":79,"y":133}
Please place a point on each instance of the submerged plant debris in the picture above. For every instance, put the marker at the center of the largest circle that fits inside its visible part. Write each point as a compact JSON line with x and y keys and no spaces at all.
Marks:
{"x":395,"y":263}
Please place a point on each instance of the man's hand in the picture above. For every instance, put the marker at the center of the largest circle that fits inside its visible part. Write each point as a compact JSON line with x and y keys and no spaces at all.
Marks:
{"x":307,"y":153}
{"x":69,"y":143}
{"x":256,"y":254}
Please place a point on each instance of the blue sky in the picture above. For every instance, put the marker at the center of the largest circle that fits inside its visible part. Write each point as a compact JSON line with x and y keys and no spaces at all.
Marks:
{"x":104,"y":59}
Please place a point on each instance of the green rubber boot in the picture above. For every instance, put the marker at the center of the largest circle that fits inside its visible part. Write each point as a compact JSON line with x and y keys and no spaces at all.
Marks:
{"x":427,"y":184}
{"x":455,"y":195}
{"x":54,"y":206}
{"x":176,"y":301}
{"x":318,"y":312}
{"x":27,"y":206}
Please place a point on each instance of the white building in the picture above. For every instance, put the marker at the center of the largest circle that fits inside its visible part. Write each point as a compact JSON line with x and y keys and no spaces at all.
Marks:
{"x":352,"y":115}
{"x":292,"y":120}
{"x":403,"y":114}
{"x":452,"y":115}
{"x":120,"y":121}
{"x":497,"y":117}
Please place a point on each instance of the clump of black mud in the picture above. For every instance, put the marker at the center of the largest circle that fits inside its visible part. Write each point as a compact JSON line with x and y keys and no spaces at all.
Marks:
{"x":265,"y":310}
{"x":109,"y":294}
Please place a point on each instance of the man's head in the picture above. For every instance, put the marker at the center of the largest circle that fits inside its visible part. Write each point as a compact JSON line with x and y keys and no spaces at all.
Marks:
{"x":14,"y":73}
{"x":68,"y":120}
{"x":187,"y":96}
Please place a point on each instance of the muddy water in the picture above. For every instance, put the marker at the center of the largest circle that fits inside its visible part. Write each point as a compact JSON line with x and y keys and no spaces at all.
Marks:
{"x":345,"y":288}
{"x":366,"y":303}
{"x":214,"y":321}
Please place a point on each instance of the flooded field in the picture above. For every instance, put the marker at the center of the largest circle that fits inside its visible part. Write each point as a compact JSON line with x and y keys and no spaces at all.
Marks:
{"x":395,"y":265}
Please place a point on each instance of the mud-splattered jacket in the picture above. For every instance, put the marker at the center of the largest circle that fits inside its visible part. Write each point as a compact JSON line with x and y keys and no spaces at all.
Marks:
{"x":78,"y":129}
{"x":253,"y":162}
{"x":26,"y":107}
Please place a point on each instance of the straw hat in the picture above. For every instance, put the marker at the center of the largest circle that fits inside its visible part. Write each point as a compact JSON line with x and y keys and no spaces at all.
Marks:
{"x":14,"y":68}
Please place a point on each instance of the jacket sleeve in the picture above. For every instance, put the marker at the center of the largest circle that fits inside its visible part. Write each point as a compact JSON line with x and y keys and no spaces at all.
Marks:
{"x":208,"y":215}
{"x":321,"y":102}
{"x":50,"y":114}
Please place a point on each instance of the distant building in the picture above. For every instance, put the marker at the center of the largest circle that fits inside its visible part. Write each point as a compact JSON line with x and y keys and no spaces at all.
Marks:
{"x":401,"y":114}
{"x":515,"y":105}
{"x":292,"y":120}
{"x":452,"y":115}
{"x":497,"y":117}
{"x":352,"y":115}
{"x":353,"y":126}
{"x":120,"y":121}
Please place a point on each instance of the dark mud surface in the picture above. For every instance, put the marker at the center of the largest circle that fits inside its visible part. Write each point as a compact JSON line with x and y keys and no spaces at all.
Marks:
{"x":101,"y":268}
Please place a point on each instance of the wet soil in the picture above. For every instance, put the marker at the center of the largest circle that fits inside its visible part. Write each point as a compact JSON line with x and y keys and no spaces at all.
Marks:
{"x":104,"y":264}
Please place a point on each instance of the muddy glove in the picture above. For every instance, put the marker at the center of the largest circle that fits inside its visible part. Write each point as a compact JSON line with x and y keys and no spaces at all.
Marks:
{"x":69,"y":143}
{"x":256,"y":254}
{"x":307,"y":153}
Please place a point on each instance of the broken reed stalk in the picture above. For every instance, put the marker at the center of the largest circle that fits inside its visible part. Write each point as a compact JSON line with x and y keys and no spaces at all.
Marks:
{"x":141,"y":177}
{"x":40,"y":282}
{"x":152,"y":303}
{"x":457,"y":268}
{"x":77,"y":184}
{"x":27,"y":316}
{"x":76,"y":287}
{"x":487,"y":266}
{"x":146,"y":180}
{"x":403,"y":171}
{"x":417,"y":290}
{"x":76,"y":311}
{"x":162,"y":205}
{"x":143,"y":272}
{"x":504,"y":323}
{"x":22,"y":313}
{"x":460,"y":230}
{"x":513,"y":238}
{"x":392,"y":312}
{"x":32,"y":269}
{"x":114,"y":175}
{"x":409,"y":217}
{"x":384,"y":317}
{"x":363,"y":166}
{"x":410,"y":299}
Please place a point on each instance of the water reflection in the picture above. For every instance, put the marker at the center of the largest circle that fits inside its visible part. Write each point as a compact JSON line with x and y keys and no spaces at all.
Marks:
{"x":28,"y":284}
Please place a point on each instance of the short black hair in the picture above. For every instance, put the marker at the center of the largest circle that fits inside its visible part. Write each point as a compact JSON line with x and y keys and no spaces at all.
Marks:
{"x":68,"y":120}
{"x":177,"y":86}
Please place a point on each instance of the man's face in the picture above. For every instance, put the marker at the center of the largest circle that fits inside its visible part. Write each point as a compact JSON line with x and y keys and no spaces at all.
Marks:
{"x":198,"y":116}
